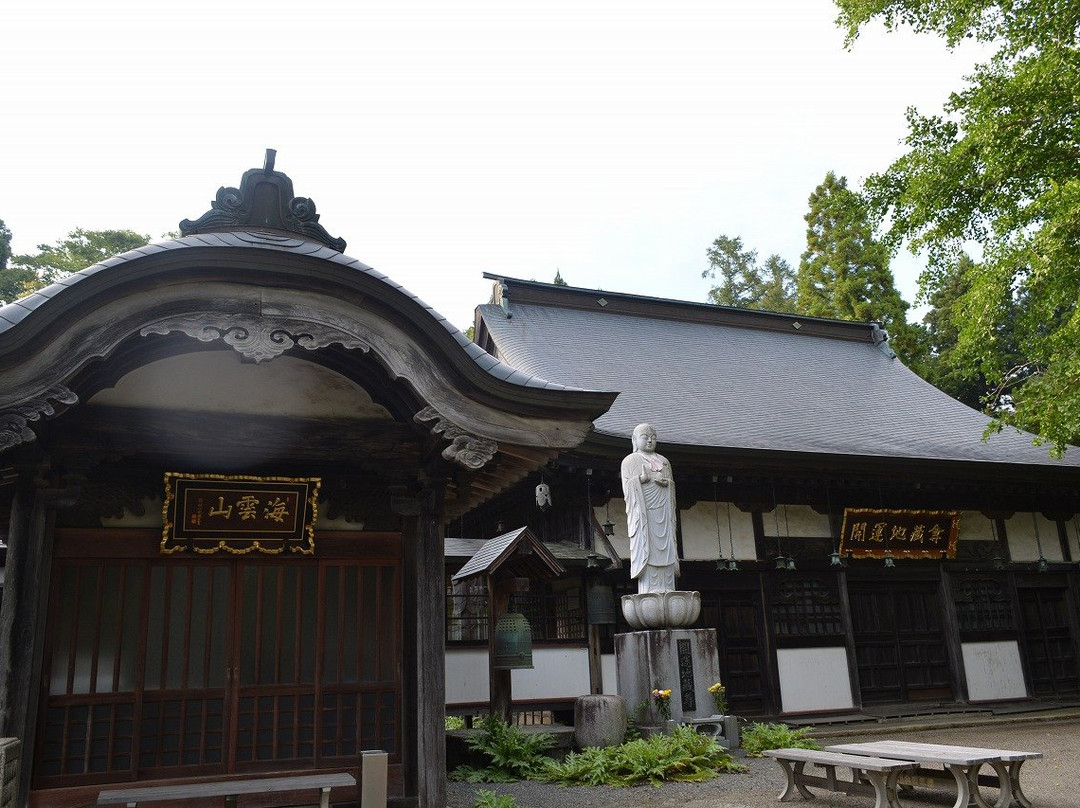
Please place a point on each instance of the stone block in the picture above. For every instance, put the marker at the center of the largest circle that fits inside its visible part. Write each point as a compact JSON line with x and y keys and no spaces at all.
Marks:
{"x":684,"y":660}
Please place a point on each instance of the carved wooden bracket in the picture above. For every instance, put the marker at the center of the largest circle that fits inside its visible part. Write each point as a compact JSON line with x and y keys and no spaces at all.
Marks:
{"x":14,"y":422}
{"x":256,"y":338}
{"x":468,"y":451}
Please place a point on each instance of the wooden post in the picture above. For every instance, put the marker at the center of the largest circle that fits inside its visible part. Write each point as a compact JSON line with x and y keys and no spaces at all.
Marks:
{"x":22,"y":616}
{"x":596,"y":675}
{"x":430,"y":566}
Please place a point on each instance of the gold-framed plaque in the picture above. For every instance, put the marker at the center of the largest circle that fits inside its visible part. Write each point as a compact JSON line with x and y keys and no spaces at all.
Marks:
{"x":871,"y":533}
{"x":217,"y":513}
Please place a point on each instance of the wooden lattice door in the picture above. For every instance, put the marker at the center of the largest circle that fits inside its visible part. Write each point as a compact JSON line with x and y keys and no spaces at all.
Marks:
{"x":189,"y":667}
{"x":900,"y":645}
{"x":1048,"y":642}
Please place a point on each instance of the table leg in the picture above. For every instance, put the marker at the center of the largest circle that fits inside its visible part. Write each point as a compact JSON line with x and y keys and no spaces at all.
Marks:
{"x":794,"y":781}
{"x":1018,"y":795}
{"x":963,"y":788}
{"x":1005,"y":791}
{"x":884,"y":797}
{"x":324,"y":798}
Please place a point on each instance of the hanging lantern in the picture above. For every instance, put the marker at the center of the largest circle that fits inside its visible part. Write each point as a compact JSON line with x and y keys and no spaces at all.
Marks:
{"x":513,"y":642}
{"x":543,"y":496}
{"x":600,"y":607}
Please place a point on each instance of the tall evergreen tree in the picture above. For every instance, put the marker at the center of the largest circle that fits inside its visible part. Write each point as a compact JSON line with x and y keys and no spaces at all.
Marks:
{"x":14,"y":281}
{"x":743,"y":283}
{"x":80,"y":249}
{"x":845,"y":273}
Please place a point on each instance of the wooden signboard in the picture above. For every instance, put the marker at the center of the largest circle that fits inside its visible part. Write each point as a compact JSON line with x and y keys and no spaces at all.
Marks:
{"x":211,"y":513}
{"x":869,"y":533}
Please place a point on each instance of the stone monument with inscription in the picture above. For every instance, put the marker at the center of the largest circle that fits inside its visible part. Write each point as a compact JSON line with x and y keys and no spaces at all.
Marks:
{"x":663,"y":653}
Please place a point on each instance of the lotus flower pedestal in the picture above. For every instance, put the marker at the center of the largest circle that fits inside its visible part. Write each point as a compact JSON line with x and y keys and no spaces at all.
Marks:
{"x":667,"y":654}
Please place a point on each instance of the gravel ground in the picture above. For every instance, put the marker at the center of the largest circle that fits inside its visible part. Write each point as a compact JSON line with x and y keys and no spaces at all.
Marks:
{"x":1052,"y":782}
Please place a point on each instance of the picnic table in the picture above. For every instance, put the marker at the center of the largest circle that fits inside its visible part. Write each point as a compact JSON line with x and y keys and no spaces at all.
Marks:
{"x":962,"y":762}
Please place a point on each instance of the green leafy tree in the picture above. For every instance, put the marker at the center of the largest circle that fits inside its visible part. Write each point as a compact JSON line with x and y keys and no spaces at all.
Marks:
{"x":14,"y":281}
{"x":845,"y":273}
{"x":559,"y":279}
{"x":79,"y":250}
{"x":1000,"y":166}
{"x":743,"y":283}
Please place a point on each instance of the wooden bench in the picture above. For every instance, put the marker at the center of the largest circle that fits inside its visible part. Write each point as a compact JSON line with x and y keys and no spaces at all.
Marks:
{"x":229,"y":789}
{"x":879,"y":774}
{"x":962,"y":763}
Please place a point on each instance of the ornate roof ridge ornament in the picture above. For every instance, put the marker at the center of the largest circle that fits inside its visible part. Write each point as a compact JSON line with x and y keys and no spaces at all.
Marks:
{"x":468,"y":451}
{"x":254,"y":337}
{"x":14,"y":422}
{"x":264,"y":200}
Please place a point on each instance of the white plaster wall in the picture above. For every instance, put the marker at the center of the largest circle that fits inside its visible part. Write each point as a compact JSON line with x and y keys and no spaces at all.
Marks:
{"x":607,"y":670}
{"x":975,"y":527}
{"x":814,"y":679}
{"x":1072,"y":530}
{"x":218,"y":381}
{"x":557,"y":673}
{"x":802,"y":521}
{"x":699,"y":532}
{"x":993,"y":670}
{"x":1022,"y":544}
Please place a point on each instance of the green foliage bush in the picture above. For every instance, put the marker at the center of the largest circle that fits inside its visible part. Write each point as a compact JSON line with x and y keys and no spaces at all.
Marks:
{"x":513,"y":754}
{"x":685,"y":755}
{"x":454,"y":722}
{"x":489,"y":799}
{"x":758,"y":737}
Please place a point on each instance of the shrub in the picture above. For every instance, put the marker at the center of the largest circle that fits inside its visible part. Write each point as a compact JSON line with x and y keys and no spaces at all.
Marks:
{"x":489,"y":799}
{"x":513,"y":754}
{"x":454,"y":722}
{"x":685,"y":755}
{"x":758,"y":737}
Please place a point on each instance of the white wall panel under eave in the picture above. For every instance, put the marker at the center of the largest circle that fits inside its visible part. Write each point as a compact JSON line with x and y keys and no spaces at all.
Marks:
{"x":993,"y":670}
{"x":1023,"y":543}
{"x":814,"y":679}
{"x":703,"y":541}
{"x":557,"y":673}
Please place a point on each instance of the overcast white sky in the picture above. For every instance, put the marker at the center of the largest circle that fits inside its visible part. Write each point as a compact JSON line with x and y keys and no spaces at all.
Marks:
{"x":612,"y":141}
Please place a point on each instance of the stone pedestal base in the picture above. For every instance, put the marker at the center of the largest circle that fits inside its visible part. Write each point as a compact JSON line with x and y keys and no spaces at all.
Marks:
{"x":724,"y":729}
{"x":684,"y":660}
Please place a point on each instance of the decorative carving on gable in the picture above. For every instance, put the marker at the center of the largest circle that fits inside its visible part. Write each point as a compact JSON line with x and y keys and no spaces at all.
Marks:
{"x":14,"y":422}
{"x":256,"y":338}
{"x":264,"y":199}
{"x":468,"y":451}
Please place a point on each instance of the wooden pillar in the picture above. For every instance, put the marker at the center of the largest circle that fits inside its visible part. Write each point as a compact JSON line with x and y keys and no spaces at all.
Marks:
{"x":22,"y":615}
{"x":429,"y":564}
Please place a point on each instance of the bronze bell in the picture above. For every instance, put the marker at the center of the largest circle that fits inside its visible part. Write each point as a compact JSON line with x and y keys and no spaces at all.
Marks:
{"x":600,"y":606}
{"x":513,"y":642}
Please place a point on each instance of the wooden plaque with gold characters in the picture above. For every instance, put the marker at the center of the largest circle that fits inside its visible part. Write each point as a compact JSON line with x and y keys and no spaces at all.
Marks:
{"x":870,"y":533}
{"x":212,"y":513}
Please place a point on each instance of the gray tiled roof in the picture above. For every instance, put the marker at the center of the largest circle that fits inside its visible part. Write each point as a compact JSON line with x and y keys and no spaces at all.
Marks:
{"x":740,"y":386}
{"x":14,"y":312}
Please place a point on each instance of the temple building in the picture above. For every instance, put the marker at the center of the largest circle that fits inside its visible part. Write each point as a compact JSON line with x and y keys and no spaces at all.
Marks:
{"x":226,"y":464}
{"x":238,"y":470}
{"x":858,"y":544}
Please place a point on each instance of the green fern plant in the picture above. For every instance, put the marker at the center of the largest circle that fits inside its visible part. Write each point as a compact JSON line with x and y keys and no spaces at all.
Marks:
{"x":489,"y":799}
{"x":756,"y":738}
{"x":512,"y":754}
{"x":685,"y":755}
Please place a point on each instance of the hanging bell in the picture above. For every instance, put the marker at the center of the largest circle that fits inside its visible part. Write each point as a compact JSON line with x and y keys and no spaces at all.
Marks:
{"x":601,"y":605}
{"x":513,"y":642}
{"x":836,"y":559}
